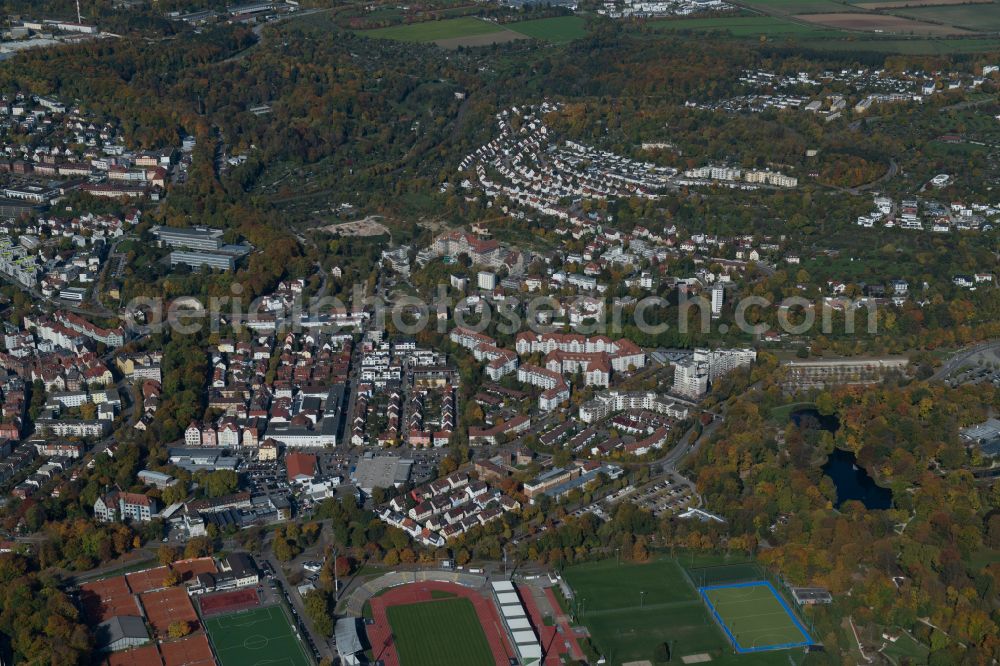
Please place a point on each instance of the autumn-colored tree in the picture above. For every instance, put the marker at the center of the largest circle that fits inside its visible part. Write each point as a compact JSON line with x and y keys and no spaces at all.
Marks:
{"x":166,"y":554}
{"x":179,"y":629}
{"x":171,"y":578}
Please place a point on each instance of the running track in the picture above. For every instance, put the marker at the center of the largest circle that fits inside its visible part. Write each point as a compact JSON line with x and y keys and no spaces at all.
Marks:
{"x":380,"y":634}
{"x":567,"y":631}
{"x":553,"y":643}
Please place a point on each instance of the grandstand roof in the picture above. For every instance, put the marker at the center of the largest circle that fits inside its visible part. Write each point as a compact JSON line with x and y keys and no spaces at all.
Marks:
{"x":524,"y":637}
{"x":346,"y":633}
{"x":508,"y":598}
{"x":518,"y":624}
{"x":513,"y":610}
{"x":529,"y":651}
{"x":503,"y":586}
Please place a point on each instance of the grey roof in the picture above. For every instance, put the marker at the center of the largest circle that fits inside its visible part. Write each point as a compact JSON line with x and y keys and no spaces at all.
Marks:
{"x":111,"y":631}
{"x":381,"y":472}
{"x":989,"y":429}
{"x":240,"y":565}
{"x":346,"y":632}
{"x":990,"y":448}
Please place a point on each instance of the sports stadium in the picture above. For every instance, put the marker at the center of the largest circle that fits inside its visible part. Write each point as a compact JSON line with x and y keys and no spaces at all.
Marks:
{"x":431,"y":618}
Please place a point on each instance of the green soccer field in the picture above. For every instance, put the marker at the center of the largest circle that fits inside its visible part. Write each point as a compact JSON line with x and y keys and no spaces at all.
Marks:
{"x":630,"y":609}
{"x":439,"y":633}
{"x":601,"y":586}
{"x":754,"y":616}
{"x":260,"y":637}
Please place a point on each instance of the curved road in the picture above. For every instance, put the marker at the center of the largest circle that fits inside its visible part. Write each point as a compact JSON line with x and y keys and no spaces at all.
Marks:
{"x":959,"y":359}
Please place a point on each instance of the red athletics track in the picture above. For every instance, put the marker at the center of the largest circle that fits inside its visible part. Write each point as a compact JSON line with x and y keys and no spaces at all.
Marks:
{"x":567,"y":630}
{"x":228,"y":602}
{"x":380,"y":633}
{"x":553,"y":643}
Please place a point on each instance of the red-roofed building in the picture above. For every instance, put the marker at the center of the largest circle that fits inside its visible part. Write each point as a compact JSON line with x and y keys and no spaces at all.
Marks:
{"x":301,"y":467}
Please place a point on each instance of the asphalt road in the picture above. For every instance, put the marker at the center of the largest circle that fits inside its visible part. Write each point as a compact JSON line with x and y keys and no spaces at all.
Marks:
{"x":321,"y":643}
{"x":959,"y":359}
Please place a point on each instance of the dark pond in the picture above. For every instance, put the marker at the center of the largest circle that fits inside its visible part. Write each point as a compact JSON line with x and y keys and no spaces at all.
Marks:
{"x":853,"y":483}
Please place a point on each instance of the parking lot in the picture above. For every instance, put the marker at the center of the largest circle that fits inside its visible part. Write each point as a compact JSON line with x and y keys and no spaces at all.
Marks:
{"x":665,"y":496}
{"x":264,"y":477}
{"x":986,"y":372}
{"x":976,"y":365}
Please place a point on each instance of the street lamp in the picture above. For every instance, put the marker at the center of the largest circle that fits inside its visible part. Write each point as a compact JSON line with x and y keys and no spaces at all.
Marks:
{"x":642,"y":598}
{"x":336,"y":581}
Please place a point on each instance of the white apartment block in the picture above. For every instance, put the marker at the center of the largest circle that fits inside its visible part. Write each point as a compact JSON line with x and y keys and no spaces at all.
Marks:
{"x":487,"y":280}
{"x":609,"y":402}
{"x":718,"y":298}
{"x":691,"y":378}
{"x":540,"y":377}
{"x":723,"y":361}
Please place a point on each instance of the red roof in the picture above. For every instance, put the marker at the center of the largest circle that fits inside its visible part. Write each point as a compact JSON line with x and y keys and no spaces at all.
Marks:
{"x":191,"y":651}
{"x":300,"y":465}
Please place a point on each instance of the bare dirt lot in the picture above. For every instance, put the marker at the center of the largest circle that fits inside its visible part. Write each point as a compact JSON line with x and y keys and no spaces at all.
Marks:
{"x":369,"y":226}
{"x":500,"y":37}
{"x":882,"y":23}
{"x":899,"y":4}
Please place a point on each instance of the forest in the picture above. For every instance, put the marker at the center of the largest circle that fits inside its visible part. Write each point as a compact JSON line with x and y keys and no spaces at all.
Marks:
{"x":887,"y":568}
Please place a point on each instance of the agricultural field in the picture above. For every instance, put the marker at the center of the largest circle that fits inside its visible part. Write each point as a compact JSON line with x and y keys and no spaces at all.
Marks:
{"x":433,"y":31}
{"x":631,"y":609}
{"x":792,"y":7}
{"x":881,"y":23}
{"x":981,"y":18}
{"x":470,"y":31}
{"x":558,"y":30}
{"x":748,"y":26}
{"x":445,"y":632}
{"x":836,"y":31}
{"x":500,"y":37}
{"x":911,"y":46}
{"x":804,"y":33}
{"x":896,"y":4}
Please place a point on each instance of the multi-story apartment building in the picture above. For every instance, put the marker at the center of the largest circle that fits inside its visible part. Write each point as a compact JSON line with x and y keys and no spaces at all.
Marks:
{"x":118,"y":506}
